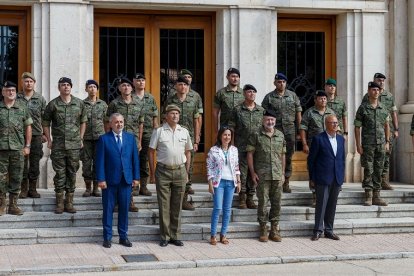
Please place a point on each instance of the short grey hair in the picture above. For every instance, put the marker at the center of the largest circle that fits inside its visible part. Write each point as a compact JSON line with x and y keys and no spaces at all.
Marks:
{"x":330,"y":116}
{"x":115,"y":115}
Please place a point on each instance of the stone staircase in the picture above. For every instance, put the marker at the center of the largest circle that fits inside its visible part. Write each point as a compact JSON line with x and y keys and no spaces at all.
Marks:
{"x":40,"y":225}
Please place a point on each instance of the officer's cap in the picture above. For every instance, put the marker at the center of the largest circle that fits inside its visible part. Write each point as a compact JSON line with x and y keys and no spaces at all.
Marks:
{"x":186,"y":72}
{"x":372,"y":84}
{"x":89,"y":82}
{"x":181,"y":79}
{"x":65,"y":80}
{"x":249,"y":87}
{"x":269,"y":113}
{"x":124,"y":80}
{"x":139,"y":76}
{"x":280,"y":76}
{"x":379,"y":76}
{"x":233,"y":70}
{"x":330,"y":81}
{"x":9,"y":84}
{"x":26,"y":75}
{"x":320,"y":93}
{"x":172,"y":107}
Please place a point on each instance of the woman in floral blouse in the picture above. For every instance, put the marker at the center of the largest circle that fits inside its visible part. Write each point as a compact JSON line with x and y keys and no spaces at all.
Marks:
{"x":223,"y":176}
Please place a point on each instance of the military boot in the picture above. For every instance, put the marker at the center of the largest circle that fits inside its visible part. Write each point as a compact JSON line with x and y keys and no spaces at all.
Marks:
{"x":88,"y":186}
{"x":143,"y":190}
{"x":69,"y":203}
{"x":313,"y":200}
{"x":377,"y":200}
{"x":274,"y":234}
{"x":242,"y":200}
{"x":96,"y":192}
{"x":24,"y":188}
{"x":135,"y":191}
{"x":385,"y":184}
{"x":187,"y":205}
{"x":263,"y":232}
{"x":286,"y":188}
{"x":32,"y":189}
{"x":368,"y":198}
{"x":59,"y":203}
{"x":13,"y":209}
{"x":2,"y":204}
{"x":190,"y":191}
{"x":132,"y":207}
{"x":250,"y":202}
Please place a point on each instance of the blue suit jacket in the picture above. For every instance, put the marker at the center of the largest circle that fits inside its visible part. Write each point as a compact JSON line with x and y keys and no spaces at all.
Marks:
{"x":111,"y":163}
{"x":324,"y":167}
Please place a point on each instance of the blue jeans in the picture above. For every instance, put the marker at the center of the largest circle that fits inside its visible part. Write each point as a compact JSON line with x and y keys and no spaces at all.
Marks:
{"x":223,"y":197}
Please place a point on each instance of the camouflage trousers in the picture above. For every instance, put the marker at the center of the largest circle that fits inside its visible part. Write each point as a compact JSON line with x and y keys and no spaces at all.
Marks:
{"x":31,"y":163}
{"x":65,"y":163}
{"x":268,"y":190}
{"x":372,"y":160}
{"x":290,"y":138}
{"x":143,"y":155}
{"x":246,"y":180}
{"x":11,"y":171}
{"x":87,"y":155}
{"x":386,"y":169}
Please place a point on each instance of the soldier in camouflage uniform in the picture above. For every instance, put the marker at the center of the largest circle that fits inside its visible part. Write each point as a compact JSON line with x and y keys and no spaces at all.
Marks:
{"x":313,"y":123}
{"x":286,"y":105}
{"x":372,"y":142}
{"x":226,"y":99}
{"x":36,"y":105}
{"x":266,"y":159}
{"x":387,"y":100}
{"x":337,"y":105}
{"x":188,"y":105}
{"x":15,"y":138}
{"x":95,"y":111}
{"x":129,"y":106}
{"x":66,"y":116}
{"x":247,"y":119}
{"x":150,"y":112}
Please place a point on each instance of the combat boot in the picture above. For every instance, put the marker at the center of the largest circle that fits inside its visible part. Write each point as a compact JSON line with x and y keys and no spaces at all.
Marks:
{"x":32,"y":189}
{"x":135,"y":191}
{"x":377,"y":200}
{"x":88,"y":186}
{"x":69,"y":203}
{"x":385,"y":185}
{"x":274,"y":234}
{"x":286,"y":188}
{"x":143,"y":190}
{"x":250,"y":202}
{"x":13,"y":209}
{"x":187,"y":205}
{"x":2,"y":204}
{"x":96,"y":192}
{"x":368,"y":198}
{"x":59,"y":203}
{"x":263,"y":232}
{"x":242,"y":200}
{"x":313,"y":200}
{"x":132,"y":207}
{"x":190,"y":191}
{"x":24,"y":188}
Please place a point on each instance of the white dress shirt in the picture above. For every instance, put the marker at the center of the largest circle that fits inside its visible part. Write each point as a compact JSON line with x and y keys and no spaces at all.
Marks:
{"x":334,"y":144}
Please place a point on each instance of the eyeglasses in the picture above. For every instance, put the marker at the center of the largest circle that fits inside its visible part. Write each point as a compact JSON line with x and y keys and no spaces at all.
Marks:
{"x":333,"y":123}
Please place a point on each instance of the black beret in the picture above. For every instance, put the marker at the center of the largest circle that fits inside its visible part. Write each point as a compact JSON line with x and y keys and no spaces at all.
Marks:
{"x":280,"y":76}
{"x":181,"y":79}
{"x":269,"y":113}
{"x":89,"y":82}
{"x":233,"y":71}
{"x":124,"y":80}
{"x":186,"y":72}
{"x":320,"y":93}
{"x":249,"y":87}
{"x":65,"y":80}
{"x":9,"y":84}
{"x":372,"y":84}
{"x":379,"y":76}
{"x":139,"y":76}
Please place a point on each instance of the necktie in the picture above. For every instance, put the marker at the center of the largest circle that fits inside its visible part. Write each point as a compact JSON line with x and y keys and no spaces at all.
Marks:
{"x":118,"y":142}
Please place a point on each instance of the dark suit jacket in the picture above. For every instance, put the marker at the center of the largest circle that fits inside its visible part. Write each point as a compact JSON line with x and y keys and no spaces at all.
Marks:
{"x":324,"y":167}
{"x":112,"y":164}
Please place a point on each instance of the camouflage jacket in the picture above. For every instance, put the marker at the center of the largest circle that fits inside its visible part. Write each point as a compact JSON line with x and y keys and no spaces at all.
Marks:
{"x":372,"y":121}
{"x":149,"y":111}
{"x":36,"y":105}
{"x":313,"y":122}
{"x":387,"y":100}
{"x":339,"y":107}
{"x":96,"y":117}
{"x":191,"y":92}
{"x":226,"y":99}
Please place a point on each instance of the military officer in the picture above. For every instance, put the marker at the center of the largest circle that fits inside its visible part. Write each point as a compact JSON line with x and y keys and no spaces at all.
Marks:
{"x":286,"y":105}
{"x":246,"y":120}
{"x":337,"y":105}
{"x":129,"y":107}
{"x":188,"y":105}
{"x":266,"y":159}
{"x":372,"y":142}
{"x":95,"y":111}
{"x":387,"y":100}
{"x":313,"y":123}
{"x":66,"y":116}
{"x":149,"y":110}
{"x":226,"y":99}
{"x":172,"y":144}
{"x":36,"y":105}
{"x":15,"y":139}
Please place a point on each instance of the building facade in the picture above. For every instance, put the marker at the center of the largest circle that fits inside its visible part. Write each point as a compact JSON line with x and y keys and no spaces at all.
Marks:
{"x":308,"y":40}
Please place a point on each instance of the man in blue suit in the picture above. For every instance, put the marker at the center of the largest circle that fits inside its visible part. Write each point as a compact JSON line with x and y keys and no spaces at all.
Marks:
{"x":326,"y":165}
{"x":117,"y":169}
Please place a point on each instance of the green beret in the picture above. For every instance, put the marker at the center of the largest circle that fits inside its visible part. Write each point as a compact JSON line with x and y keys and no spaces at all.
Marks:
{"x":330,"y":81}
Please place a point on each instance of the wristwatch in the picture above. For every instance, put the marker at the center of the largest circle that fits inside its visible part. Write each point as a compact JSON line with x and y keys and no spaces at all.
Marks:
{"x":27,"y":146}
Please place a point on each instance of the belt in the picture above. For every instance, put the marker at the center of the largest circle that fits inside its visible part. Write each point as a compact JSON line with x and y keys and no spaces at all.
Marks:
{"x":170,"y":167}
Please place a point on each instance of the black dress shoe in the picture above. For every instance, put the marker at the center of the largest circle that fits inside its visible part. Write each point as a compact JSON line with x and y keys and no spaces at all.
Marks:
{"x":125,"y":242}
{"x":176,"y":242}
{"x":163,"y":243}
{"x":107,"y":244}
{"x":332,"y":236}
{"x":316,"y":236}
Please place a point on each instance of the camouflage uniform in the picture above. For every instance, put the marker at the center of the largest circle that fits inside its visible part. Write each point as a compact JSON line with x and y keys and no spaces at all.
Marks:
{"x":226,"y":99}
{"x":65,"y":120}
{"x":372,"y":121}
{"x":193,"y":93}
{"x":314,"y":123}
{"x":286,"y":107}
{"x":268,"y":158}
{"x":339,"y":107}
{"x":36,"y":106}
{"x":245,"y":122}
